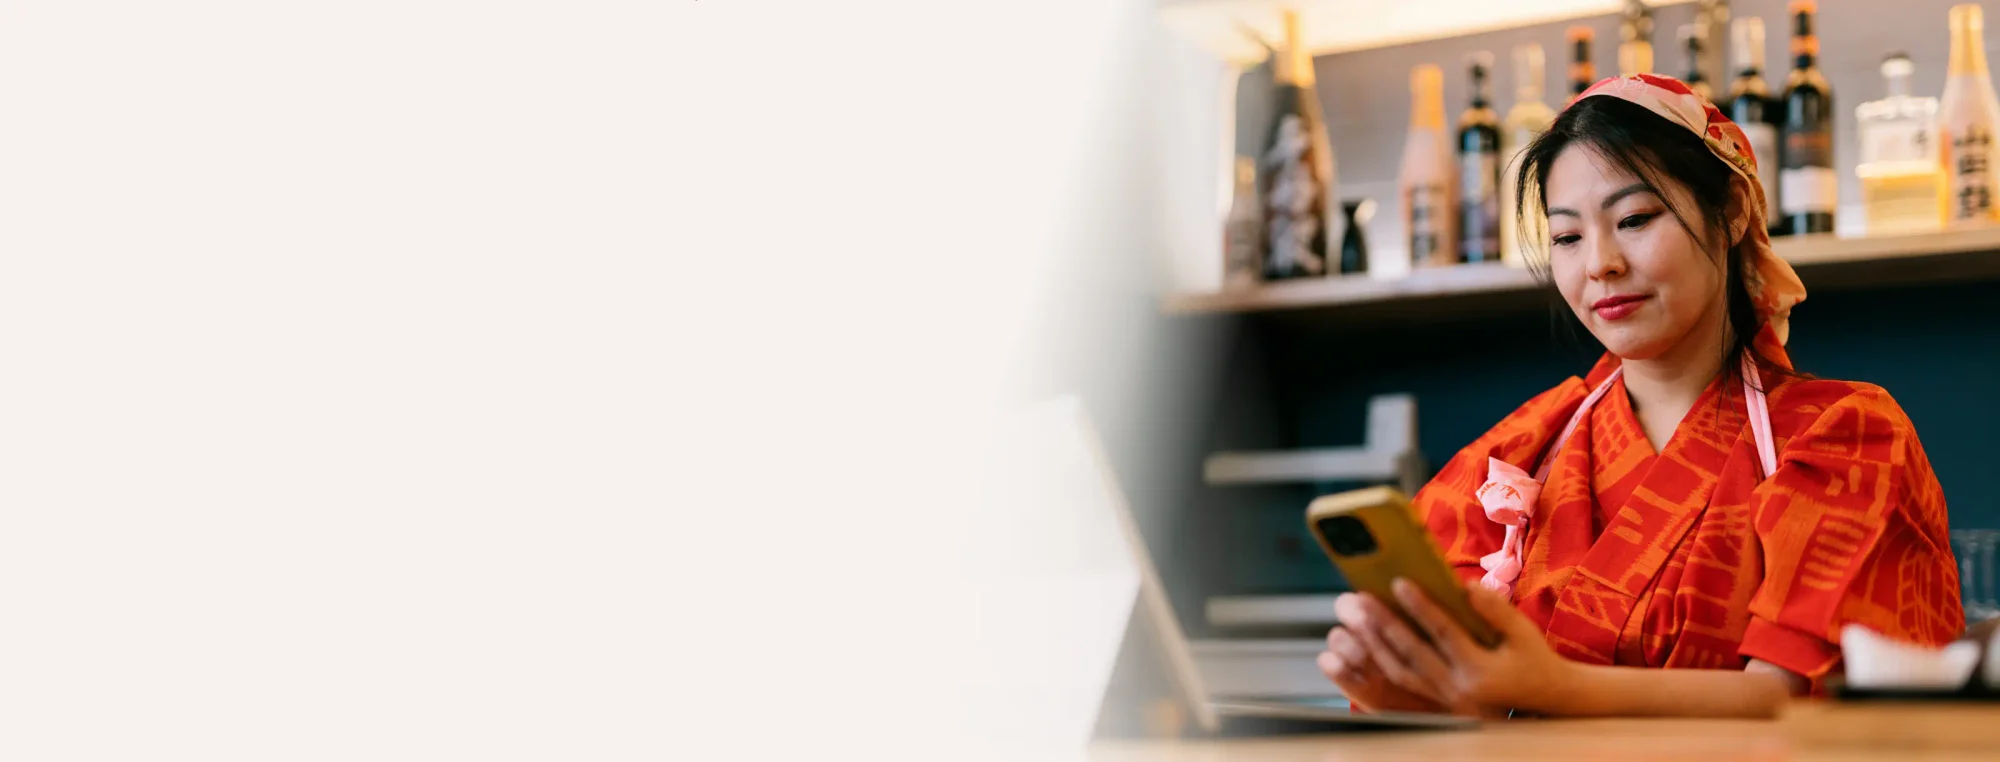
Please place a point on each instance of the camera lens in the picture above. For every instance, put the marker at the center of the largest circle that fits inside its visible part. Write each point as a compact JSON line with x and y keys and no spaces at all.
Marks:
{"x":1348,"y":535}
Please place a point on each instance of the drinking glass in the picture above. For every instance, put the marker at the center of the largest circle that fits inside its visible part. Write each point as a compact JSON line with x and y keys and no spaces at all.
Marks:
{"x":1975,"y":549}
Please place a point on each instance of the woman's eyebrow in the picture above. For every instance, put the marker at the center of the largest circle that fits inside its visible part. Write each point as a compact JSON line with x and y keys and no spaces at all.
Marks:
{"x":1615,"y":197}
{"x":1620,"y":194}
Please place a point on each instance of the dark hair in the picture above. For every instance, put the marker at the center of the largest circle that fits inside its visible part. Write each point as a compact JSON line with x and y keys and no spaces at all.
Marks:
{"x":1656,"y":151}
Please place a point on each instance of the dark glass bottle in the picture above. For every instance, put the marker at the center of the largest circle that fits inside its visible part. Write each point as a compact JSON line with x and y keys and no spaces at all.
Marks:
{"x":1582,"y":72}
{"x":1693,"y":43}
{"x":1296,"y":171}
{"x":1354,"y":244}
{"x":1750,"y":107}
{"x":1811,"y":188}
{"x":1479,"y":169}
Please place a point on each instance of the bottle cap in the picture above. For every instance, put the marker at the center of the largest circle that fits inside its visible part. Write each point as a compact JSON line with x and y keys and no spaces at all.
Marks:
{"x":1897,"y":64}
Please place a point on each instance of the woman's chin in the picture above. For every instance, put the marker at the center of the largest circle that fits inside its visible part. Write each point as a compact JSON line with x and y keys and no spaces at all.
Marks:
{"x":1632,"y":343}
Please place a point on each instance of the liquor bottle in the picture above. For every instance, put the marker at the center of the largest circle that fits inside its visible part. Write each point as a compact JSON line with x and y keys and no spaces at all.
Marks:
{"x":1711,"y":23}
{"x":1297,"y":166}
{"x":1902,"y":183}
{"x":1635,"y":32}
{"x":1354,"y":245}
{"x":1426,"y":177}
{"x":1750,"y":107}
{"x":1582,"y":73}
{"x":1693,"y":44}
{"x":1479,"y":169}
{"x":1967,"y":123}
{"x":1526,"y":120}
{"x":1811,"y":189}
{"x":1243,"y":231}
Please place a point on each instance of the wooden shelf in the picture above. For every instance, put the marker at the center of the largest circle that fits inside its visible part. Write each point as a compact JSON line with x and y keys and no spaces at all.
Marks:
{"x":1823,"y":261}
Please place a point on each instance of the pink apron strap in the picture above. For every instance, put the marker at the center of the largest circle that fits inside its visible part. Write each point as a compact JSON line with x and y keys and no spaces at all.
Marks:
{"x":1549,"y":458}
{"x":1753,"y":398}
{"x":1760,"y":417}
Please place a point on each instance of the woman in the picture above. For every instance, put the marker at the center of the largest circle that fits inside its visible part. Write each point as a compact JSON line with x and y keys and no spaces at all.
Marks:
{"x":1693,"y":504}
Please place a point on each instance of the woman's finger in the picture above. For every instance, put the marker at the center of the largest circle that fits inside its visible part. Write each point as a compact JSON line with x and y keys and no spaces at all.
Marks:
{"x":1343,"y":643}
{"x":1449,"y":637}
{"x":1424,"y":660}
{"x":1385,"y":619}
{"x":1337,"y":669}
{"x":1374,"y":625}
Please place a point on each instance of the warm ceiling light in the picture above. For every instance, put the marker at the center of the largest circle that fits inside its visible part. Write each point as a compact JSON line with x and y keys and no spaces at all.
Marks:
{"x":1333,"y":26}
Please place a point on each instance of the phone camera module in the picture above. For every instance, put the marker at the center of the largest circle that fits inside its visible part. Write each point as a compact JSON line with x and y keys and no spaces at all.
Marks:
{"x":1348,"y":535}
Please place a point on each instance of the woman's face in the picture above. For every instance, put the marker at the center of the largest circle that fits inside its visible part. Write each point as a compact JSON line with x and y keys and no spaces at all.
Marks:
{"x":1625,"y":266}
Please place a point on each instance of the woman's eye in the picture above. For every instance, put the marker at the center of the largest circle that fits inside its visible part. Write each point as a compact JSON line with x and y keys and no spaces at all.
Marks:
{"x":1636,"y":221}
{"x":1567,"y":239}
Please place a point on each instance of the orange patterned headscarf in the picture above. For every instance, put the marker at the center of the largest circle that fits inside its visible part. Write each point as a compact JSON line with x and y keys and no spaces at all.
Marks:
{"x":1774,"y":286}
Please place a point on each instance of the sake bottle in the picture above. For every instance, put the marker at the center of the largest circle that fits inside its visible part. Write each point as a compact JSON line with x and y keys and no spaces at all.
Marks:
{"x":1749,"y":106}
{"x":1811,"y":189}
{"x":1967,"y":120}
{"x":1582,"y":70}
{"x":1243,"y":231}
{"x":1297,"y":165}
{"x":1711,"y":22}
{"x":1526,"y":120}
{"x":1635,"y":50}
{"x":1426,"y":177}
{"x":1902,"y":183}
{"x":1479,"y":169}
{"x":1693,"y":44}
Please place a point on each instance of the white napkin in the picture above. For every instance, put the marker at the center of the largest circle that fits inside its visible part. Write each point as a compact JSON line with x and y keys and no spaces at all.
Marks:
{"x":1993,"y":659}
{"x":1874,"y":661}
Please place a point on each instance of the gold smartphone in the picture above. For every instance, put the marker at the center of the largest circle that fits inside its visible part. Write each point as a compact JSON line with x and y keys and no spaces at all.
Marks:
{"x":1374,"y":537}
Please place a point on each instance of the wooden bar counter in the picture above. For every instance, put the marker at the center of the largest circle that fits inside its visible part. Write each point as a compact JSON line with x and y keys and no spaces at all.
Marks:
{"x":1808,"y":731}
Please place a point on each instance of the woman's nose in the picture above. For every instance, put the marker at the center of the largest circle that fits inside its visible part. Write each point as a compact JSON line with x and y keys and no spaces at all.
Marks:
{"x":1606,"y":258}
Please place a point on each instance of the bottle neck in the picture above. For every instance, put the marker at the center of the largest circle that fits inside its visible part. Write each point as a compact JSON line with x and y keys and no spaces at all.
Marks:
{"x":1582,"y":73}
{"x":1528,"y":74}
{"x":1748,"y":38}
{"x":1427,"y":105}
{"x":1427,"y":112}
{"x":1968,"y":49}
{"x":1635,"y":58}
{"x":1302,"y":68}
{"x":1805,"y":44}
{"x":1294,"y":65}
{"x":1753,"y":66}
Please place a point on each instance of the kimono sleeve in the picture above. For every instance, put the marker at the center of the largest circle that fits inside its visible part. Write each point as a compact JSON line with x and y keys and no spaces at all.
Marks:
{"x":1853,"y":530}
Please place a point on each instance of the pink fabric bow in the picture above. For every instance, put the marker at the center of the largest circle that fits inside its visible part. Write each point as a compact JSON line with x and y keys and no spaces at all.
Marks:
{"x":1509,"y":497}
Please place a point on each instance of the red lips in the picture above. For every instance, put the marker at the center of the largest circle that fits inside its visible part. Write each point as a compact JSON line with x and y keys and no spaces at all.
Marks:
{"x":1619,"y":306}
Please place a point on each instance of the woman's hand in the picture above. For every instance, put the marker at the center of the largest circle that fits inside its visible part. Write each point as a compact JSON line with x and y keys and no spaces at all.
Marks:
{"x":1346,"y":662}
{"x":1521,"y":672}
{"x":1383,"y":664}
